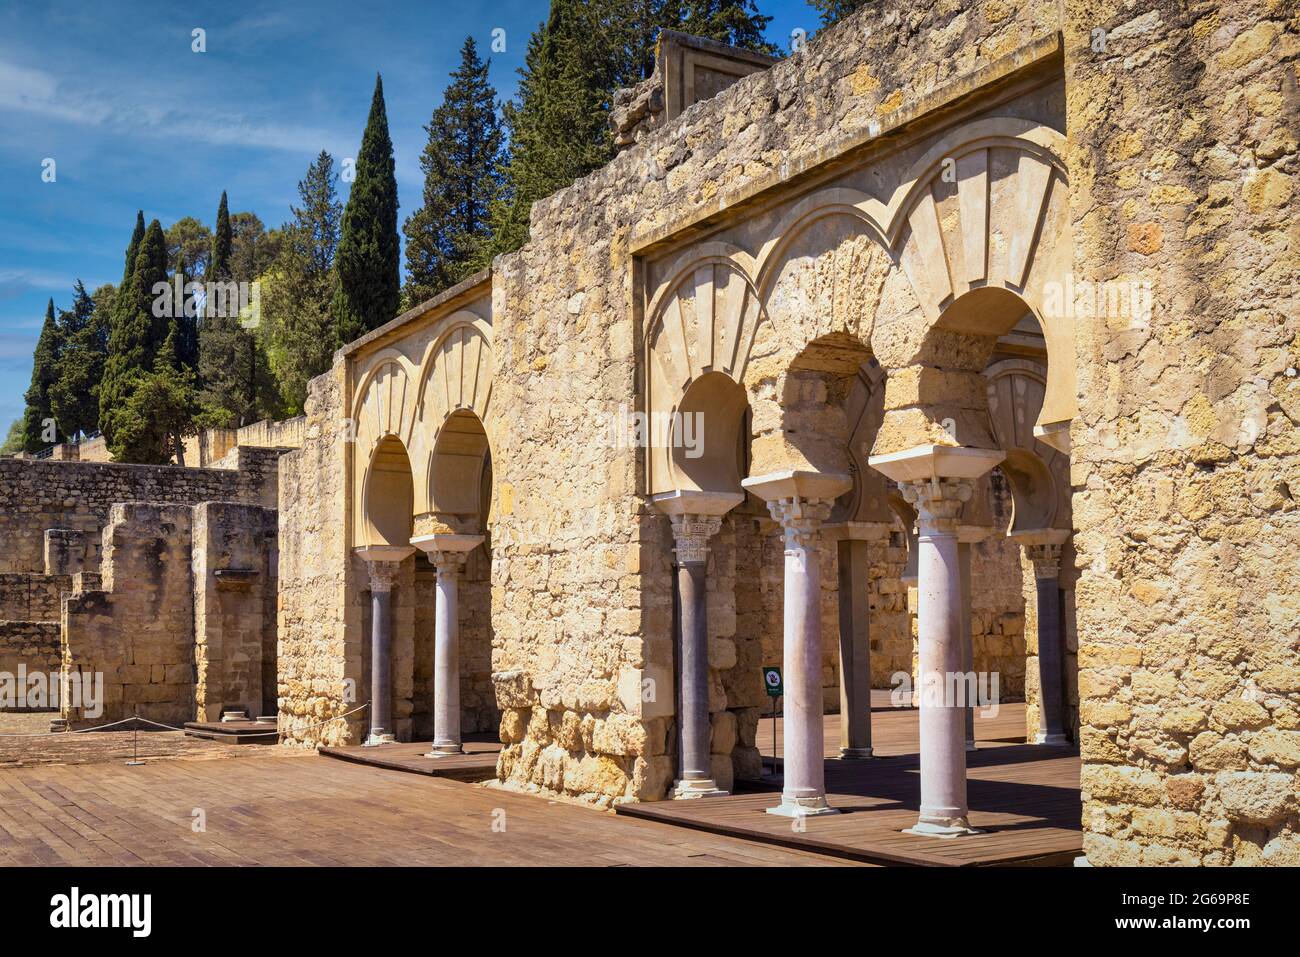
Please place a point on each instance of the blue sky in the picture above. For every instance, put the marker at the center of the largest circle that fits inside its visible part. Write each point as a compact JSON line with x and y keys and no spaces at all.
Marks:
{"x":135,"y":120}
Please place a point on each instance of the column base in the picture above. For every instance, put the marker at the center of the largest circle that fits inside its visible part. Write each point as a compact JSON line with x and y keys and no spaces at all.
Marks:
{"x":802,"y":807}
{"x":444,"y":750}
{"x":957,"y":827}
{"x":693,"y":790}
{"x":374,"y":740}
{"x":855,"y":754}
{"x":1052,"y":740}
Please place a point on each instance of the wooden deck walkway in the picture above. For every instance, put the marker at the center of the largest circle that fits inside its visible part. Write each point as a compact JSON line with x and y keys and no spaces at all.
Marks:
{"x":1024,"y":797}
{"x":478,"y":763}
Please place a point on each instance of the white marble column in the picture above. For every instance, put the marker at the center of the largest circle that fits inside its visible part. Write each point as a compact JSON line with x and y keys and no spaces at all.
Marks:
{"x":801,"y":503}
{"x":937,"y":481}
{"x":696,"y":517}
{"x":448,"y":553}
{"x":383,"y":563}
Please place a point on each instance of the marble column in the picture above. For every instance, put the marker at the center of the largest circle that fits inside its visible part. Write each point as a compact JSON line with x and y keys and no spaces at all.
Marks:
{"x":1046,"y":558}
{"x":696,"y":517}
{"x":801,"y":502}
{"x":853,"y":540}
{"x":383,"y":563}
{"x":447,"y":552}
{"x":938,"y":481}
{"x":968,"y":535}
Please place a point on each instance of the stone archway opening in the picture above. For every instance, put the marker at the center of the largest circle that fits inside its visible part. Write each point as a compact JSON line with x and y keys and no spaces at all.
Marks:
{"x":453,"y":693}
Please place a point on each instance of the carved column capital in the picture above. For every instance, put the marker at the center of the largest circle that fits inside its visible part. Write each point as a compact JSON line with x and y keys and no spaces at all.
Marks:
{"x":447,"y":562}
{"x":1046,"y":557}
{"x":691,"y":534}
{"x":938,"y":502}
{"x":800,"y":519}
{"x":383,"y":575}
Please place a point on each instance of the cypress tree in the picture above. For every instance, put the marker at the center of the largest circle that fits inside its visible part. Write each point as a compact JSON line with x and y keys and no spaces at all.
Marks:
{"x":367,"y":260}
{"x":37,"y":420}
{"x":222,"y":241}
{"x":461,"y":160}
{"x":135,"y":333}
{"x":74,"y":396}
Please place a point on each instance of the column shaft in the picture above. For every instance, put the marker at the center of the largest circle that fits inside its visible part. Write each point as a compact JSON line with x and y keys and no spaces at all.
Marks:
{"x":695,"y":732}
{"x":967,"y":641}
{"x":446,"y":657}
{"x":855,"y":650}
{"x":1051,"y":639}
{"x":381,"y":664}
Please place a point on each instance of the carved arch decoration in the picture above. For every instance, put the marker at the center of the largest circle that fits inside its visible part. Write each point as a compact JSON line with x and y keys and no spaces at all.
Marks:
{"x":1037,"y":473}
{"x":407,"y":402}
{"x":987,"y":207}
{"x":704,"y":319}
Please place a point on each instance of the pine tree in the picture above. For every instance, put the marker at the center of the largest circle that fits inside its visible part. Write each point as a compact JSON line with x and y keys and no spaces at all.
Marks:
{"x":367,"y":260}
{"x":135,"y":332}
{"x":40,"y":428}
{"x":297,"y":327}
{"x":735,"y":22}
{"x":461,"y":162}
{"x":74,"y":397}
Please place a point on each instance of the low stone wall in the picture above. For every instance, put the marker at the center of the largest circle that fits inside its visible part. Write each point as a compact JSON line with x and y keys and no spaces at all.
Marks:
{"x":29,"y":645}
{"x":40,"y":495}
{"x":32,"y":597}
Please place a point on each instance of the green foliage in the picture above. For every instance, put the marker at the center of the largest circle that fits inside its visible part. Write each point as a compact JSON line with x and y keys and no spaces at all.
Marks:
{"x":222,"y":241}
{"x":368,"y":292}
{"x":13,"y":443}
{"x":834,"y":10}
{"x":189,"y":245}
{"x":586,"y":50}
{"x":446,"y":237}
{"x":252,"y":247}
{"x":37,"y":433}
{"x":83,"y":332}
{"x":135,"y":333}
{"x":297,"y":326}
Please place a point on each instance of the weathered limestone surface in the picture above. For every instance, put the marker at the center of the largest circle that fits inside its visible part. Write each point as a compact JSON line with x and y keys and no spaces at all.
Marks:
{"x":1186,"y":454}
{"x":40,"y":495}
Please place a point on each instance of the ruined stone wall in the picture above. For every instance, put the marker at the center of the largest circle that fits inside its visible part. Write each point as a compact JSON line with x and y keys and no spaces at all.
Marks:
{"x":40,"y":495}
{"x":319,"y":670}
{"x":138,"y":629}
{"x":30,"y":597}
{"x":234,"y":573}
{"x":31,"y":645}
{"x":1186,"y":455}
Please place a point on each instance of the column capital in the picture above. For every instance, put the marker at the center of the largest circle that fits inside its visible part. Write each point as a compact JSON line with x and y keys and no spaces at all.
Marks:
{"x":936,"y":462}
{"x":691,"y":534}
{"x":938,"y":502}
{"x":383,"y":563}
{"x":800,"y":519}
{"x":447,"y":551}
{"x":696,"y":517}
{"x":1046,"y":557}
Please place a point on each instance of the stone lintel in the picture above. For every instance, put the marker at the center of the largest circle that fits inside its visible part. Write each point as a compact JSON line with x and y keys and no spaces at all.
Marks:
{"x":970,"y":534}
{"x":446,"y":542}
{"x":695,"y":502}
{"x":384,"y":553}
{"x":799,"y":483}
{"x":925,"y":463}
{"x":1040,"y":536}
{"x":1054,"y":434}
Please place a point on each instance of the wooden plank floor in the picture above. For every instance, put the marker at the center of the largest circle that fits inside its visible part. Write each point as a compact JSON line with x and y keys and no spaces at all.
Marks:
{"x":478,"y":763}
{"x":313,"y":811}
{"x":1024,"y":797}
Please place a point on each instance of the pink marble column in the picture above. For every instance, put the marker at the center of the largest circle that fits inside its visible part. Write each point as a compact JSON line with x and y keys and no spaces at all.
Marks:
{"x":383,"y":563}
{"x":448,"y":553}
{"x":937,"y":481}
{"x":801,"y":502}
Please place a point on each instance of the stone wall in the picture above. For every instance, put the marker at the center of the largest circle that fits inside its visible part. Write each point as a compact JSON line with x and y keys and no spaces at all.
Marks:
{"x":29,"y":645}
{"x":1186,"y":454}
{"x":31,"y":597}
{"x":40,"y":495}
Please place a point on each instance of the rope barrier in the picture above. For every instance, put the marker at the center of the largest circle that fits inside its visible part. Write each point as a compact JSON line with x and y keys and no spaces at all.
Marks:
{"x":169,"y":727}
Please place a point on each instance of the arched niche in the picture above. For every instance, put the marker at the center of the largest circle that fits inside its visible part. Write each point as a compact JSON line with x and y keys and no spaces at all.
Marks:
{"x":708,"y":439}
{"x":387,"y":496}
{"x":460,"y":473}
{"x":1037,"y":473}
